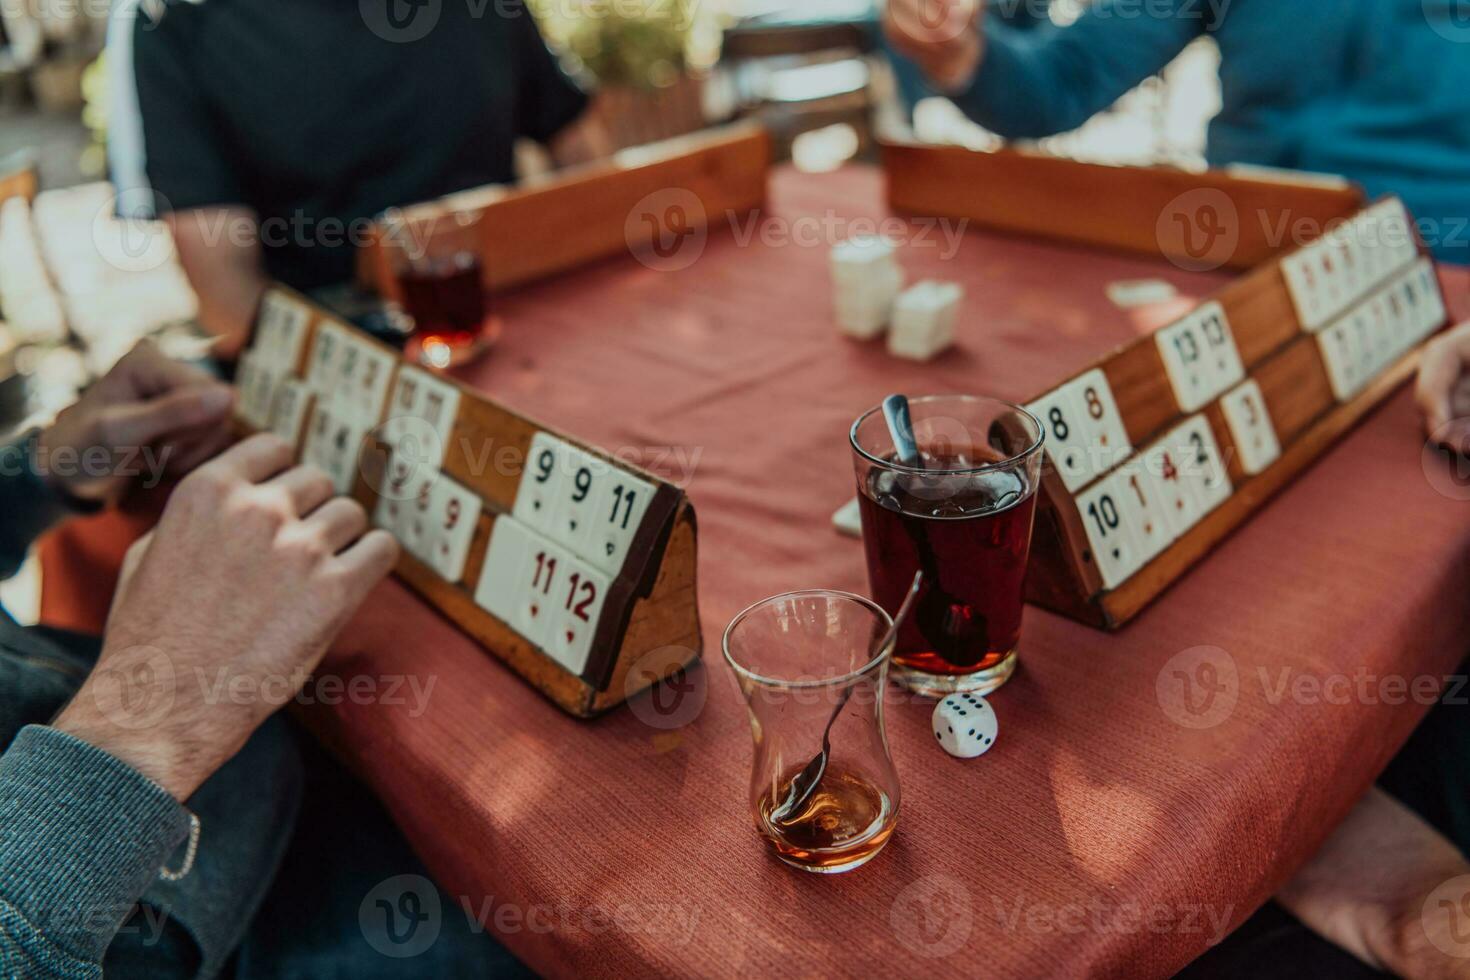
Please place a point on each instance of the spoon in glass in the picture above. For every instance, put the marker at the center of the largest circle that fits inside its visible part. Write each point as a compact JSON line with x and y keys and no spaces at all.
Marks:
{"x":805,"y":783}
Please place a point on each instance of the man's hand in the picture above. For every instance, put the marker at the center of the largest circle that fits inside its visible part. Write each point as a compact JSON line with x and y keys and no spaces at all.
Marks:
{"x":942,"y":37}
{"x":225,"y":610}
{"x":1443,"y":390}
{"x":177,"y":412}
{"x":1373,"y":889}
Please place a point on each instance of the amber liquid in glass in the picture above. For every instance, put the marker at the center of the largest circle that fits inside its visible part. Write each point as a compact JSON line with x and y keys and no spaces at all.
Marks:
{"x":449,"y":307}
{"x":972,"y":545}
{"x":847,"y":820}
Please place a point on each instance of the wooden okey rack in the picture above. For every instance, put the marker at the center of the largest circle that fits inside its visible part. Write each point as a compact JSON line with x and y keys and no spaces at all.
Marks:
{"x":1161,"y":449}
{"x":573,"y":567}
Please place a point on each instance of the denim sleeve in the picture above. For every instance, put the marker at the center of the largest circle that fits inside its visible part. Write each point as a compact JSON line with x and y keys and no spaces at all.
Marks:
{"x":28,"y":505}
{"x":1035,"y":83}
{"x":82,"y":835}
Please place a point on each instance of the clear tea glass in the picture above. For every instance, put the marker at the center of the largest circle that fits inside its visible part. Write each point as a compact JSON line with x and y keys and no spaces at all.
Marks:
{"x":964,"y":516}
{"x":800,"y":658}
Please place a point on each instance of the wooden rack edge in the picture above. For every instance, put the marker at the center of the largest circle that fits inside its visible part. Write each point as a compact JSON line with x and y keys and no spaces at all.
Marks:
{"x":1117,"y":207}
{"x":725,"y":168}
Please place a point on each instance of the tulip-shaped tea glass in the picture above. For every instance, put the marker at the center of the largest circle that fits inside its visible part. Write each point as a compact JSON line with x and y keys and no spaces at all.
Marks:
{"x":800,"y":660}
{"x":962,"y":513}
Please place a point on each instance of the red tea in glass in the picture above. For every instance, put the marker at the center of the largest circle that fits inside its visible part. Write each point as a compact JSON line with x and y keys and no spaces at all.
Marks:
{"x":449,"y":306}
{"x":965,"y":520}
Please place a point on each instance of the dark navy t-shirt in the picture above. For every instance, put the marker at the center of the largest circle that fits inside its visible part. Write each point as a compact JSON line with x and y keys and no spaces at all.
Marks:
{"x":319,"y":114}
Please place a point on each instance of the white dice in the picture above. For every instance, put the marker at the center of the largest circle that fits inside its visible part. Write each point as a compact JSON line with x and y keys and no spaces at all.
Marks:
{"x":965,"y":725}
{"x":865,"y":282}
{"x":923,"y":320}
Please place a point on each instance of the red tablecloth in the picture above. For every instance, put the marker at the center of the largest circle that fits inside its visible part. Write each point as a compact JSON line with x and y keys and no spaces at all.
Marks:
{"x":1099,"y":837}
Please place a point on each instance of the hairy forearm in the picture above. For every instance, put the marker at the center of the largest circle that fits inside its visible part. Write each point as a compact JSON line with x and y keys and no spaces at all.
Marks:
{"x":220,"y":252}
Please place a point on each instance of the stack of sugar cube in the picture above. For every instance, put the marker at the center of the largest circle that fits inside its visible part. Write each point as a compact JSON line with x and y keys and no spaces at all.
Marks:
{"x":866,"y":280}
{"x":924,"y":318}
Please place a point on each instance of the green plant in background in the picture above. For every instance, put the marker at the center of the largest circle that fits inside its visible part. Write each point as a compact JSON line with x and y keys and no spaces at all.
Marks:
{"x":94,"y":116}
{"x":640,"y":44}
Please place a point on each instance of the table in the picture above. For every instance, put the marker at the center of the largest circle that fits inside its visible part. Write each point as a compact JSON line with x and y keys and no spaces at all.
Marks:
{"x":1100,"y":837}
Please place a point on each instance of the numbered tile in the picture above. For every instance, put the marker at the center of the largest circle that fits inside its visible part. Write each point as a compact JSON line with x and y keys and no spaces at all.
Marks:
{"x":332,"y":444}
{"x":1108,"y":533}
{"x":367,"y":390}
{"x":255,"y":381}
{"x":1203,"y":466}
{"x":1336,"y":294}
{"x":1104,"y":433}
{"x":1143,"y":510}
{"x":577,"y":511}
{"x":1251,"y":428}
{"x":416,"y":518}
{"x":455,"y":512}
{"x":284,"y":322}
{"x":1432,"y":313}
{"x":1303,"y":277}
{"x":325,"y":366}
{"x":542,"y":481}
{"x":1061,"y":416}
{"x":1165,"y":464}
{"x":1400,"y":237}
{"x":1340,"y":356}
{"x":289,"y":410}
{"x":394,"y":496}
{"x":1357,"y":280}
{"x":1365,"y":341}
{"x":314,"y":449}
{"x":1222,"y":356}
{"x":1191,"y":373}
{"x":625,"y":500}
{"x":543,"y":583}
{"x":423,"y":409}
{"x":572,"y":632}
{"x":501,"y":584}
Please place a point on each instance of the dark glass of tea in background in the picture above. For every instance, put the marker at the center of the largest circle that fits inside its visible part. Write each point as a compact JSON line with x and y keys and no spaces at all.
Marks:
{"x":964,"y":516}
{"x":441,"y":282}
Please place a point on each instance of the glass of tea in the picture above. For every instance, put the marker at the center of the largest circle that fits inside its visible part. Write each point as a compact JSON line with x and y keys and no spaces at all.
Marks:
{"x":963,"y":516}
{"x":804,"y":660}
{"x":441,"y":282}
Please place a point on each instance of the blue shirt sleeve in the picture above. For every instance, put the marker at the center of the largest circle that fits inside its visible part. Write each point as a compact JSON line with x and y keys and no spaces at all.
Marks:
{"x":1035,"y":83}
{"x":82,"y":835}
